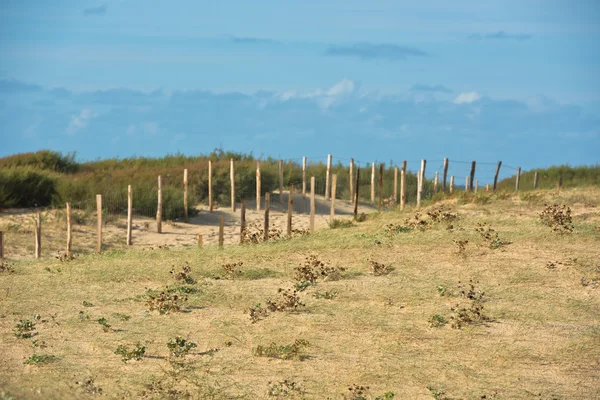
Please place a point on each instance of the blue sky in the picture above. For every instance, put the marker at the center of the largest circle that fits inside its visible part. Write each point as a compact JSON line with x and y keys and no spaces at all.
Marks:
{"x":517,"y":81}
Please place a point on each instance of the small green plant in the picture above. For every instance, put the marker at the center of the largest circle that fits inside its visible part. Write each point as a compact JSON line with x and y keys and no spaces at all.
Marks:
{"x":340,"y":223}
{"x":122,"y":317}
{"x":284,"y":352}
{"x":437,"y":321}
{"x":36,"y":359}
{"x":257,"y":313}
{"x":391,"y":229}
{"x":165,"y":301}
{"x":39,"y":344}
{"x":83,"y":316}
{"x":87,"y":304}
{"x":180,"y":347}
{"x":303,"y":285}
{"x":184,"y":275}
{"x":24,"y":329}
{"x":442,"y":290}
{"x":285,"y":389}
{"x":134,"y":354}
{"x":437,"y":394}
{"x":231,"y":270}
{"x":64,"y":257}
{"x":329,"y":295}
{"x":379,"y":269}
{"x":490,"y":236}
{"x":557,"y":217}
{"x":104,"y":324}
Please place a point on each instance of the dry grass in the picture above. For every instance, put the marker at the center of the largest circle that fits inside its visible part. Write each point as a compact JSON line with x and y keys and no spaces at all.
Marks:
{"x":542,"y":339}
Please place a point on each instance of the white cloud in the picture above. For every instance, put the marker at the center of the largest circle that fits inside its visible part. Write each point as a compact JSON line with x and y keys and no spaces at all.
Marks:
{"x":324,"y":97}
{"x":467,"y":98}
{"x":342,"y":88}
{"x":80,"y":121}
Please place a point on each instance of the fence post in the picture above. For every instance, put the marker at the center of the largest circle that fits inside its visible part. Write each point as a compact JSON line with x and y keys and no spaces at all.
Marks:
{"x":232,"y":179}
{"x":333,"y":193}
{"x":445,"y":174}
{"x":69,"y":252}
{"x":266,"y":223}
{"x":535,"y":180}
{"x":200,"y":241}
{"x":476,"y":185}
{"x":185,"y":195}
{"x":421,"y":182}
{"x":290,"y":210}
{"x":435,"y":182}
{"x":38,"y":235}
{"x":356,"y":193}
{"x":328,"y":178}
{"x":221,"y":230}
{"x":395,"y":194}
{"x":258,"y":183}
{"x":560,"y":183}
{"x":303,"y":176}
{"x":159,"y":207}
{"x":351,"y":180}
{"x":99,"y":225}
{"x":467,"y":184}
{"x":210,"y":193}
{"x":496,"y":174}
{"x":472,"y":178}
{"x":280,"y":181}
{"x":373,"y":183}
{"x":129,"y":214}
{"x":403,"y":186}
{"x":518,"y":179}
{"x":1,"y":245}
{"x":452,"y":184}
{"x":487,"y":187}
{"x":242,"y":221}
{"x":380,"y":203}
{"x":312,"y":203}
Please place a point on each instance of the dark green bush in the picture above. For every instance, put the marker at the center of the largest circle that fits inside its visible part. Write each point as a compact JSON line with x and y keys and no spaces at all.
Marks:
{"x":25,"y":187}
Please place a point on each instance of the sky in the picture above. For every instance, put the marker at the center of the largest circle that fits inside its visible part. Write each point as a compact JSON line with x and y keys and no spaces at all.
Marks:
{"x":517,"y":81}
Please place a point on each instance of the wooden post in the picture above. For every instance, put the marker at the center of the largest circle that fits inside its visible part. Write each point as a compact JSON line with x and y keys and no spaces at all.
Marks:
{"x":535,"y":180}
{"x":200,"y":241}
{"x":467,"y":184}
{"x":1,"y":245}
{"x":280,"y":181}
{"x":518,"y":179}
{"x":380,"y":204}
{"x":221,"y":230}
{"x":185,"y":195}
{"x":560,"y":183}
{"x":303,"y":176}
{"x":356,"y":193}
{"x":333,"y":191}
{"x":445,"y":174}
{"x":266,"y":223}
{"x":69,"y":241}
{"x":421,"y":182}
{"x":312,"y":203}
{"x":487,"y":187}
{"x":373,"y":183}
{"x":472,"y":176}
{"x":99,"y":225}
{"x":290,"y":210}
{"x":38,"y":235}
{"x":210,"y":193}
{"x":476,"y":185}
{"x":452,"y":184}
{"x":242,"y":221}
{"x":159,"y":207}
{"x":403,"y":186}
{"x":258,"y":177}
{"x":395,"y":194}
{"x":351,"y":180}
{"x":328,"y":178}
{"x":232,"y":180}
{"x":435,"y":182}
{"x":129,"y":214}
{"x":496,"y":174}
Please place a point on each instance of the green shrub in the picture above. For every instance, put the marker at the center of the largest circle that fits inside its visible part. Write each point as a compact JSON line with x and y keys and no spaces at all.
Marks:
{"x":26,"y":187}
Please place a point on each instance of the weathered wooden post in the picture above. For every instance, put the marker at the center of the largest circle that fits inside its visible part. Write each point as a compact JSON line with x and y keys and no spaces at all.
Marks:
{"x":258,"y":183}
{"x":280,"y":181}
{"x":356,"y":193}
{"x":518,"y":179}
{"x":232,"y":179}
{"x":467,"y":184}
{"x":403,"y":185}
{"x":373,"y":183}
{"x":38,"y":235}
{"x":159,"y":207}
{"x":185,"y":195}
{"x":452,"y":184}
{"x":69,"y":241}
{"x":445,"y":174}
{"x":210,"y":193}
{"x":290,"y":211}
{"x":496,"y":174}
{"x":99,"y":225}
{"x":487,"y":187}
{"x":129,"y":215}
{"x":1,"y":245}
{"x":351,"y":180}
{"x":312,"y":203}
{"x":476,"y":185}
{"x":435,"y":182}
{"x":535,"y":180}
{"x":333,"y":193}
{"x":421,"y":182}
{"x":303,"y":176}
{"x":266,"y":223}
{"x":472,"y":175}
{"x":200,"y":241}
{"x":395,"y":194}
{"x":221,"y":231}
{"x":380,"y":204}
{"x":242,"y":221}
{"x":328,"y":178}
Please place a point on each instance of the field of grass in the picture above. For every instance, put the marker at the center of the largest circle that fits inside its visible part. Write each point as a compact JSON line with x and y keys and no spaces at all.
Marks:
{"x":390,"y":313}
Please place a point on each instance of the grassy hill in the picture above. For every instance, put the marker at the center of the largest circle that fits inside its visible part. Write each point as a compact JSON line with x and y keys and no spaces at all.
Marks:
{"x":571,"y":177}
{"x":471,"y":301}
